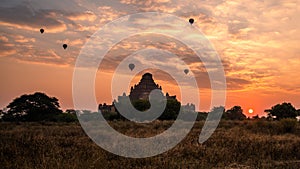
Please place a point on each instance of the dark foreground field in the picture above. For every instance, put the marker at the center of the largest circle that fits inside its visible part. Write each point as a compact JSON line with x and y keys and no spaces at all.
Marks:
{"x":245,"y":144}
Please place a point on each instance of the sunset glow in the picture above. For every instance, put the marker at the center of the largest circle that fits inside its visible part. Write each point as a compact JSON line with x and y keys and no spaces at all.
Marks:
{"x":257,"y":41}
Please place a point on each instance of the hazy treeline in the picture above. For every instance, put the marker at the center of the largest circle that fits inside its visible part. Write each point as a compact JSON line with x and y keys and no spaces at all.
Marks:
{"x":40,"y":107}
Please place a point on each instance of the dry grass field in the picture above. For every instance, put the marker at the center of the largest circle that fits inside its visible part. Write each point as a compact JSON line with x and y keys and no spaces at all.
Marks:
{"x":235,"y":144}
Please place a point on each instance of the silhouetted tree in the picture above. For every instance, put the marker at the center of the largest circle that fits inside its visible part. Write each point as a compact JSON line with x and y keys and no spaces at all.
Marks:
{"x":141,"y":105}
{"x":171,"y":111}
{"x":202,"y":116}
{"x":1,"y":114}
{"x":284,"y":110}
{"x":216,"y":112}
{"x":255,"y":117}
{"x":66,"y":117}
{"x":33,"y":107}
{"x":71,"y":111}
{"x":235,"y":113}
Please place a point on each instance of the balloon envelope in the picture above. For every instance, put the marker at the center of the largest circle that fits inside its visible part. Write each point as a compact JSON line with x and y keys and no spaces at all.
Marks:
{"x":186,"y":71}
{"x":131,"y":66}
{"x":65,"y":46}
{"x":42,"y":30}
{"x":191,"y":20}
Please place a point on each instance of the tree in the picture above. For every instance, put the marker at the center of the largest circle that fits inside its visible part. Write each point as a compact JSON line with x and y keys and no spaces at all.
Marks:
{"x":235,"y":113}
{"x":202,"y":116}
{"x":1,"y":114}
{"x":141,"y":105}
{"x":66,"y":117}
{"x":33,"y":107}
{"x":71,"y":111}
{"x":284,"y":110}
{"x":255,"y":117}
{"x":171,"y":111}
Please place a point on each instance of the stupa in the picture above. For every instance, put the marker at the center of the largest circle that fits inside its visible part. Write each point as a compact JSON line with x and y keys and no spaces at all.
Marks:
{"x":140,"y":91}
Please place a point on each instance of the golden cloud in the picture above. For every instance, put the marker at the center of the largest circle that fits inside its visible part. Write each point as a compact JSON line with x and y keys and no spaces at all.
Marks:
{"x":86,"y":16}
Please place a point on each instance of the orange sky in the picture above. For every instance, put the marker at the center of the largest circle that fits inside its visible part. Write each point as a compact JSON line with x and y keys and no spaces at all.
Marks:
{"x":258,"y":43}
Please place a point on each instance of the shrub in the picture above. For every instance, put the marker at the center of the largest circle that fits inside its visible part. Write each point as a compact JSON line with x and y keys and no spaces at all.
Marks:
{"x":287,"y":125}
{"x":66,"y":117}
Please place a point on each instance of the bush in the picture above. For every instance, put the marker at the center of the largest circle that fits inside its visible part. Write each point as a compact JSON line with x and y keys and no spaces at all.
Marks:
{"x":287,"y":125}
{"x":281,"y":111}
{"x":66,"y":117}
{"x":33,"y":107}
{"x":273,"y":127}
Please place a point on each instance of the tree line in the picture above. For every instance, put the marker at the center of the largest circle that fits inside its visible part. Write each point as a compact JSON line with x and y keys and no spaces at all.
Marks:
{"x":40,"y":107}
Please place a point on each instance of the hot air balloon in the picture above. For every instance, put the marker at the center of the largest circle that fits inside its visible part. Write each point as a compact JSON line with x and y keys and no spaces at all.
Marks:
{"x":65,"y":46}
{"x":191,"y":20}
{"x":186,"y":71}
{"x":42,"y":30}
{"x":131,"y":66}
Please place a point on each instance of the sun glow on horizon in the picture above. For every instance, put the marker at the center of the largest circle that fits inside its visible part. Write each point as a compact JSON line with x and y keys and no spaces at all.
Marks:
{"x":250,"y":111}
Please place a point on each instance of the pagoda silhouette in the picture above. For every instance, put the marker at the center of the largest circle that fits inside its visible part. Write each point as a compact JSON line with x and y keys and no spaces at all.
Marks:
{"x":140,"y":91}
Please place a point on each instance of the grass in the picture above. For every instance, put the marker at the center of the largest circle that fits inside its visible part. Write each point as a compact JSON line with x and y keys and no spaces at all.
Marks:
{"x":235,"y":144}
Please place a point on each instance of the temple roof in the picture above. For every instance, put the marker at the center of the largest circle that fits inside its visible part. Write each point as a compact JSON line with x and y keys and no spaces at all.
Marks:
{"x":147,"y":75}
{"x":143,"y":88}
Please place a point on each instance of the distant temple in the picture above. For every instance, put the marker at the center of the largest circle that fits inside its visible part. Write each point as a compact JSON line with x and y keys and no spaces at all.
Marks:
{"x":141,"y":91}
{"x":107,"y":108}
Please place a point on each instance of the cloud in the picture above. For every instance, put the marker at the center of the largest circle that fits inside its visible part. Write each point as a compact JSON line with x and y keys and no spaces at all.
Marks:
{"x":3,"y":38}
{"x":236,"y":83}
{"x":238,"y":26}
{"x":108,"y":13}
{"x":166,"y":6}
{"x":6,"y":48}
{"x":71,"y":42}
{"x":20,"y":17}
{"x":256,"y":40}
{"x":86,"y":16}
{"x":138,"y":42}
{"x":22,"y":39}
